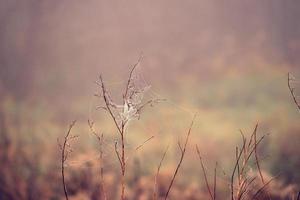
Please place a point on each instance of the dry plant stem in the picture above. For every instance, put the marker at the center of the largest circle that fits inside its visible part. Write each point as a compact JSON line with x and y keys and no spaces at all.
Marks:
{"x":117,"y":153}
{"x":242,"y":158}
{"x":100,"y":139}
{"x":182,"y":150}
{"x":292,"y":91}
{"x":107,"y":105}
{"x":101,"y":168}
{"x":257,"y":160}
{"x":235,"y":167}
{"x":130,"y":77}
{"x":123,"y":166}
{"x":238,"y":166}
{"x":215,"y":182}
{"x":248,"y":150}
{"x":131,"y":109}
{"x":244,"y":190}
{"x":204,"y":173}
{"x":263,"y":187}
{"x":64,"y":156}
{"x":141,"y":145}
{"x":121,"y":129}
{"x":121,"y":132}
{"x":150,"y":102}
{"x":157,"y":173}
{"x":255,"y":153}
{"x":121,"y":159}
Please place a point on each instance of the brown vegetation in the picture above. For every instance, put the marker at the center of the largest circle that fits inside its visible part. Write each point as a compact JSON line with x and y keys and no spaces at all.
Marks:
{"x":248,"y":179}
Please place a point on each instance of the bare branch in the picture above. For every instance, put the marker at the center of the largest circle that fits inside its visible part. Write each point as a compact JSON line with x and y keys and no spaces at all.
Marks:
{"x":238,"y":166}
{"x":264,"y":187}
{"x":122,"y":114}
{"x":130,"y":76}
{"x":64,"y":155}
{"x":249,"y":150}
{"x":106,"y":101}
{"x":157,"y":173}
{"x":235,"y":167}
{"x":179,"y":145}
{"x":100,"y":139}
{"x":181,"y":158}
{"x":256,"y":156}
{"x":150,"y":102}
{"x":250,"y":153}
{"x":292,"y":91}
{"x":141,"y":145}
{"x":118,"y":155}
{"x":215,"y":182}
{"x":204,"y":174}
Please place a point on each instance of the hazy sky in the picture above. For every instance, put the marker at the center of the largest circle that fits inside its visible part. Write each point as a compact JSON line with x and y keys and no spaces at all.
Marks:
{"x":46,"y":44}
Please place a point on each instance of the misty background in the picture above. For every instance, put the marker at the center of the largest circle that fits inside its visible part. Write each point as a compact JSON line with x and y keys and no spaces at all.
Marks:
{"x":226,"y":60}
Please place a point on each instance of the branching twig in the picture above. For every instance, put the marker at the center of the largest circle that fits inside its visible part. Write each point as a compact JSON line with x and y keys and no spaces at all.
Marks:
{"x":120,"y":129}
{"x":130,"y":77}
{"x":248,"y":150}
{"x":123,"y":114}
{"x":118,"y":154}
{"x":100,"y":139}
{"x":182,"y":150}
{"x":108,"y":105}
{"x":65,"y":151}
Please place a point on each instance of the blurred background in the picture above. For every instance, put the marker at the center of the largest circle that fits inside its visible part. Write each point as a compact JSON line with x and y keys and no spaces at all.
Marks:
{"x":227,"y":61}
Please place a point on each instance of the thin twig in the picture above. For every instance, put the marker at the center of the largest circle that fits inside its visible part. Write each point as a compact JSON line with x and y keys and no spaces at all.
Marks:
{"x":292,"y":91}
{"x":141,"y":145}
{"x":64,"y":155}
{"x":121,"y":132}
{"x":256,"y":156}
{"x":238,"y":167}
{"x":257,"y":160}
{"x":157,"y":173}
{"x":181,"y":159}
{"x":263,"y":187}
{"x":204,"y":173}
{"x":248,"y":149}
{"x":129,"y":110}
{"x":250,"y":152}
{"x":235,"y":167}
{"x":130,"y":76}
{"x":107,"y":104}
{"x":215,"y":182}
{"x":118,"y":154}
{"x":100,"y":139}
{"x":149,"y":102}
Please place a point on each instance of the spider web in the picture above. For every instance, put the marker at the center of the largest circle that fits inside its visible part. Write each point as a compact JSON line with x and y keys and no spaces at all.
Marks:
{"x":139,"y":82}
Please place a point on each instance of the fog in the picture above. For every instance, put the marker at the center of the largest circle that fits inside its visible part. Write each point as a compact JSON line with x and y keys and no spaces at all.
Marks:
{"x":56,"y":45}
